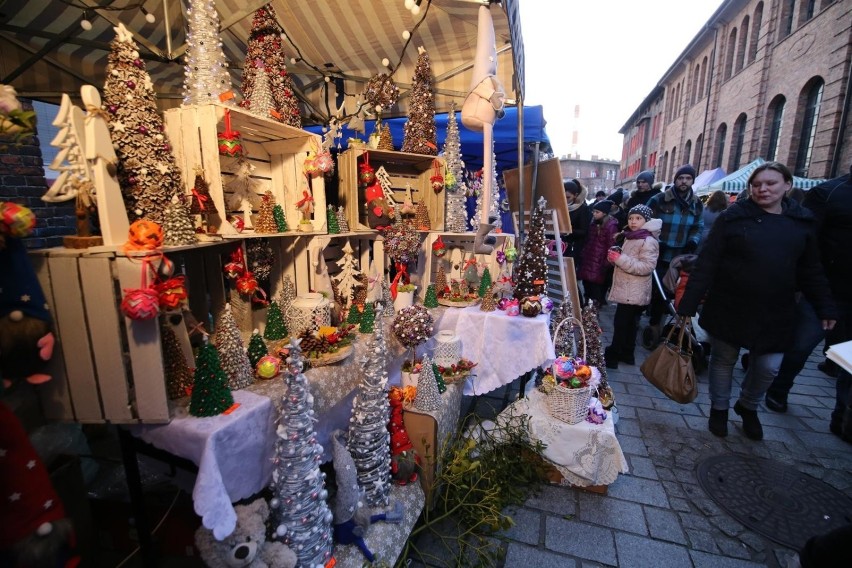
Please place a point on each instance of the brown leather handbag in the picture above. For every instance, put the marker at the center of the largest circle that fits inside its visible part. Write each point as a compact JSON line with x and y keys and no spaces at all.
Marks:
{"x":669,"y":366}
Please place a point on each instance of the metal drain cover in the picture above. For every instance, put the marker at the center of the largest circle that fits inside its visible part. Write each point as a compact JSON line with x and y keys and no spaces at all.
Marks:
{"x":772,"y":499}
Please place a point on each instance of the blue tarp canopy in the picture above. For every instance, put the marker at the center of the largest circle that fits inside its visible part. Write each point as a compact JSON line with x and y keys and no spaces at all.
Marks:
{"x":737,"y":181}
{"x":705,"y":178}
{"x":505,"y":136}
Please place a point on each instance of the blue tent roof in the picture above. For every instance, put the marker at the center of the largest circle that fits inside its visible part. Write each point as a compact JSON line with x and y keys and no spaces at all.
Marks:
{"x":737,"y":181}
{"x":505,"y":135}
{"x":705,"y":178}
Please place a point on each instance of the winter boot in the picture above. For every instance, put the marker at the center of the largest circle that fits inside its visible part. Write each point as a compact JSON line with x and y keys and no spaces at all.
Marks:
{"x":751,"y":423}
{"x":718,"y":423}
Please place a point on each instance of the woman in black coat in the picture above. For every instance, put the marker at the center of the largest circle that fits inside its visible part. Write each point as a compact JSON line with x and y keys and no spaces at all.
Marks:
{"x":760,"y":251}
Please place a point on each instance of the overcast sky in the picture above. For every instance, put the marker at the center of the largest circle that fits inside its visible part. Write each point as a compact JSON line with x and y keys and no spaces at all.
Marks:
{"x":604,"y":55}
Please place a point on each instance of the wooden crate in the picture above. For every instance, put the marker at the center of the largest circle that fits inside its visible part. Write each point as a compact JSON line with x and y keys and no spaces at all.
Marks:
{"x":403,"y":168}
{"x":106,"y":367}
{"x":276,"y":150}
{"x":457,"y":240}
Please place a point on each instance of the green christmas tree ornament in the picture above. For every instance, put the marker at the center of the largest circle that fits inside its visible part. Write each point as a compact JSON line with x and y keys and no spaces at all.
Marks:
{"x":431,"y":298}
{"x":275,"y":328}
{"x":210,"y":393}
{"x":256,"y":348}
{"x":484,"y":283}
{"x":368,"y":318}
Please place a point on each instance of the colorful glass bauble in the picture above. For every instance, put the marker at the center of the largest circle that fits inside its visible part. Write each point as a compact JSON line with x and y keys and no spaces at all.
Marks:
{"x":547,"y":305}
{"x":503,"y":303}
{"x":513,"y":308}
{"x":16,"y":220}
{"x":268,"y":367}
{"x":366,"y":173}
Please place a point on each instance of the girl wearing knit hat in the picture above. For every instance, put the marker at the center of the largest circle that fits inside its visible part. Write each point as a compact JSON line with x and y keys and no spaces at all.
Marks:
{"x":594,"y":269}
{"x":631,"y":282}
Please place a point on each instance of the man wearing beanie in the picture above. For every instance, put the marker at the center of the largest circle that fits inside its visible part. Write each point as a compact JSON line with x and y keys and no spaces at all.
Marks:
{"x":681,"y":213}
{"x":644,"y":190}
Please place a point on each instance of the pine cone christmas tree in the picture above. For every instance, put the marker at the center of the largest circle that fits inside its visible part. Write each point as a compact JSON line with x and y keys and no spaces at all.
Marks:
{"x":421,"y":218}
{"x":441,"y":285}
{"x":210,"y":393}
{"x":265,"y":45}
{"x":178,"y":374}
{"x":265,"y":220}
{"x":147,"y":172}
{"x":489,"y":304}
{"x":420,"y":132}
{"x":178,"y":228}
{"x":386,"y":139}
{"x":232,"y":353}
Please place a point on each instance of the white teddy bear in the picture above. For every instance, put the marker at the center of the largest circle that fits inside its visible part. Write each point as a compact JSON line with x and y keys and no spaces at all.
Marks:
{"x":247,"y":545}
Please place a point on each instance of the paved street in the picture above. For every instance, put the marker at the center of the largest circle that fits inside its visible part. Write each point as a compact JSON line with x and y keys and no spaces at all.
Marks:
{"x":658,"y":515}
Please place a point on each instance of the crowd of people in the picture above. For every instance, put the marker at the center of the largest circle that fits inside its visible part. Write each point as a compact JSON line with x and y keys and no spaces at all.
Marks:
{"x":767,"y":274}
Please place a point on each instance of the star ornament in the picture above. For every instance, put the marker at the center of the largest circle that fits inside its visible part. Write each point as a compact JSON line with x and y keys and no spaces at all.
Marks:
{"x":122,"y":34}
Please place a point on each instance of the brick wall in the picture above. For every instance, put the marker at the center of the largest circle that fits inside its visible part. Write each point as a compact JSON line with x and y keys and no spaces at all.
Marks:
{"x":22,"y":181}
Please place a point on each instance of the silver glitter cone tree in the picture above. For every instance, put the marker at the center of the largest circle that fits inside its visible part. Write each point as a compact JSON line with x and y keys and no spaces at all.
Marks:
{"x":206,"y":69}
{"x":342,"y":223}
{"x":178,"y":228}
{"x":369,"y":439}
{"x":531,"y":266}
{"x":286,"y":294}
{"x":428,"y":396}
{"x":420,"y":132}
{"x":147,"y":172}
{"x":454,"y":181}
{"x":265,"y":47}
{"x":300,"y":514}
{"x":261,"y":98}
{"x":232,"y":352}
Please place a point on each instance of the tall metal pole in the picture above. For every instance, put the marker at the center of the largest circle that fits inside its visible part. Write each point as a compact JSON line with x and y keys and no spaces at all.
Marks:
{"x":521,"y":192}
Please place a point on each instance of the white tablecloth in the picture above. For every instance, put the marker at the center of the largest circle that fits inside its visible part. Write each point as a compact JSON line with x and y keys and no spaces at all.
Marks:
{"x":505,"y":347}
{"x":232,"y":452}
{"x":585,"y":453}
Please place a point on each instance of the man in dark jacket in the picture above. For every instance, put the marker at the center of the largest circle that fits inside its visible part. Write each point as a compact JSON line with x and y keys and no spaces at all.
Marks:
{"x":644,"y":190}
{"x":831,"y":204}
{"x":682,"y":215}
{"x":581,"y":216}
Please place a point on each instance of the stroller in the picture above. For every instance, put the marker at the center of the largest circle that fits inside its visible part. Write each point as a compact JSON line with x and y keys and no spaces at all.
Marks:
{"x":675,"y":279}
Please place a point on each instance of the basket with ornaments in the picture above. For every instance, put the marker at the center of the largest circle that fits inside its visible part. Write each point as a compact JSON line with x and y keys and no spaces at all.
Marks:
{"x":569,"y":384}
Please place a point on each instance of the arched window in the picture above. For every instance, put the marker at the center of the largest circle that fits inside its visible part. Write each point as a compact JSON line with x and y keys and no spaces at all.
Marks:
{"x":807,"y":11}
{"x":674,"y":162}
{"x":699,"y":148}
{"x":741,"y":50}
{"x":788,"y":10}
{"x":701,"y":92}
{"x":809,"y":104}
{"x":687,"y":150}
{"x":695,"y":74}
{"x":737,"y":143}
{"x":775,"y":115}
{"x":755,"y":32}
{"x":730,"y":52}
{"x":719,"y":147}
{"x":707,"y":74}
{"x":664,"y":163}
{"x":676,"y":109}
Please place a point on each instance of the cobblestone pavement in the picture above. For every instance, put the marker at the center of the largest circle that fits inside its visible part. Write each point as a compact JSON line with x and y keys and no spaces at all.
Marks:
{"x":657,"y":515}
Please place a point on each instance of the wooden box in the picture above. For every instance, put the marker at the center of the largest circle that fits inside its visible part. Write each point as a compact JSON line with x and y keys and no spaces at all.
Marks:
{"x":276,"y":150}
{"x":454,"y":270}
{"x":403,"y":168}
{"x":106,"y":367}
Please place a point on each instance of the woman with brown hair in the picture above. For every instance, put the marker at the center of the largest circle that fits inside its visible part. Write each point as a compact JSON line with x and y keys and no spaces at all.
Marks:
{"x":716,"y":203}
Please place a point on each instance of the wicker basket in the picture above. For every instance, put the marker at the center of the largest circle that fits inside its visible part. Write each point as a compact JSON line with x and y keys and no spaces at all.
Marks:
{"x":570,"y":405}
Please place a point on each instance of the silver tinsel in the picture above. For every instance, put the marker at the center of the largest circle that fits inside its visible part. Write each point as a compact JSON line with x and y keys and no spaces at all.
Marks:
{"x":206,"y":70}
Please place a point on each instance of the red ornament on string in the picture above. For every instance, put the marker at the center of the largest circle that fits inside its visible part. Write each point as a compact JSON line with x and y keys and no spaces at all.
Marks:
{"x":230,"y":142}
{"x":366,"y":173}
{"x":172,"y":292}
{"x":437,"y":178}
{"x":142,"y":303}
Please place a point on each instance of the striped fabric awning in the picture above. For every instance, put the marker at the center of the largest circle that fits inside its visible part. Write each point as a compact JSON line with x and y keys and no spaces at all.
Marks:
{"x":738,"y":181}
{"x":44,"y":52}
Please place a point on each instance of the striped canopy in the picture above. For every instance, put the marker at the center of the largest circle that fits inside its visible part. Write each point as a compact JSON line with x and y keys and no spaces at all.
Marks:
{"x":44,"y":52}
{"x":737,"y":181}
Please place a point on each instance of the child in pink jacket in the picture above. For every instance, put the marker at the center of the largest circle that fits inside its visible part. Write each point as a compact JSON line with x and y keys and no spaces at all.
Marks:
{"x":631,"y":282}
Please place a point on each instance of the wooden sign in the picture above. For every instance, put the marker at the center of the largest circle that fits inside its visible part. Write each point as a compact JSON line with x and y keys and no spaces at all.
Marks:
{"x":548,"y":185}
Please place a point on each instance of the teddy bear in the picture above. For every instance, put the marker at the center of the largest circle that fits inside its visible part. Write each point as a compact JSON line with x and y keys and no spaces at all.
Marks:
{"x":351,"y":517}
{"x":247,"y":545}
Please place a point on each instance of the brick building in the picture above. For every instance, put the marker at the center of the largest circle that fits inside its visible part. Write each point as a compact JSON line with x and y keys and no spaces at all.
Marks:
{"x":595,"y":174}
{"x":22,"y":181}
{"x":763,"y":78}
